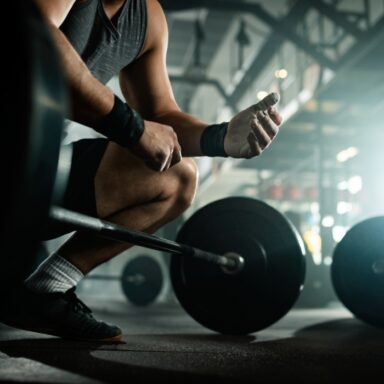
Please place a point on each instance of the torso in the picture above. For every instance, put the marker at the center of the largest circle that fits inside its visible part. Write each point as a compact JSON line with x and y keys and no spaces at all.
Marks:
{"x":108,"y":34}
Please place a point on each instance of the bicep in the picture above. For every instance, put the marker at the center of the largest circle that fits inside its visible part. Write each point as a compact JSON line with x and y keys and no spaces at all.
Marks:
{"x":54,"y":11}
{"x":146,"y":86}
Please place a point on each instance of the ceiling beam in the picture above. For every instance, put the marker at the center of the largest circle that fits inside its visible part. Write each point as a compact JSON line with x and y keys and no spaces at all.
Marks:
{"x":369,"y":40}
{"x":338,"y":18}
{"x":282,"y":26}
{"x":202,"y":80}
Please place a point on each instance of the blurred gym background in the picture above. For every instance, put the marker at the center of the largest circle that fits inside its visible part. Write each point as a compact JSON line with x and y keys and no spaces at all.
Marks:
{"x":324,"y":170}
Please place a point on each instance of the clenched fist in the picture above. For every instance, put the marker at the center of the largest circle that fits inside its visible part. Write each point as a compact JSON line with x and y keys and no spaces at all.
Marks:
{"x":252,"y":130}
{"x":158,"y":147}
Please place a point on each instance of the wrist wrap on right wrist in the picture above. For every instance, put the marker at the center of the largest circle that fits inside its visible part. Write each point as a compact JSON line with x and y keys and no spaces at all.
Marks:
{"x":123,"y":125}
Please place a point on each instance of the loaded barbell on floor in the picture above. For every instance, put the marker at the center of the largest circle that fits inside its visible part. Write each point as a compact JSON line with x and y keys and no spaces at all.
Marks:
{"x":237,"y":267}
{"x":358,"y":270}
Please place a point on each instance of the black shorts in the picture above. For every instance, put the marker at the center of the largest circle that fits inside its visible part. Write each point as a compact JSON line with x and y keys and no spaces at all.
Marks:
{"x":80,"y":192}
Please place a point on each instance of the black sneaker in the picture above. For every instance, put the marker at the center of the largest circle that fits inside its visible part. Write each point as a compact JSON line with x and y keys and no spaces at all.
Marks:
{"x":58,"y":314}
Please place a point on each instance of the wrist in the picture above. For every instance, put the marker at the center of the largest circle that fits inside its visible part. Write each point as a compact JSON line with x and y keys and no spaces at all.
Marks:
{"x":212,"y":140}
{"x":123,"y":124}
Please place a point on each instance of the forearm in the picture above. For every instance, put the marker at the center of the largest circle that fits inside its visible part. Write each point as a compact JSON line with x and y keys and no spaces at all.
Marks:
{"x":90,"y":100}
{"x":188,"y":129}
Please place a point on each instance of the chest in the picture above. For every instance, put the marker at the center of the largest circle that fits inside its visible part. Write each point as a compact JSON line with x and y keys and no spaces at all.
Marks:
{"x":108,"y":37}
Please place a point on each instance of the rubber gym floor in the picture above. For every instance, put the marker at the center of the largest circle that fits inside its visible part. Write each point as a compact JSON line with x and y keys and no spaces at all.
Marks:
{"x":162,"y":343}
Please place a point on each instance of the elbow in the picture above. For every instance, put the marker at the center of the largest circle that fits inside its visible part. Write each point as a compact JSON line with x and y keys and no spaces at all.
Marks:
{"x":159,"y":114}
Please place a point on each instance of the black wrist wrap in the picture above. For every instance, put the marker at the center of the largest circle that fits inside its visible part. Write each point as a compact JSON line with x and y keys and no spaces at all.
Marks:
{"x":123,"y":124}
{"x":212,"y":140}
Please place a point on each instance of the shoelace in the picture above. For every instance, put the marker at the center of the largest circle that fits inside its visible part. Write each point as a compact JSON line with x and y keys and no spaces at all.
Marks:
{"x":75,"y":302}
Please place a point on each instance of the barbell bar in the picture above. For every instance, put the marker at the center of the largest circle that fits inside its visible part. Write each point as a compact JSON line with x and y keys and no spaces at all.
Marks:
{"x":231,"y":263}
{"x":237,"y":266}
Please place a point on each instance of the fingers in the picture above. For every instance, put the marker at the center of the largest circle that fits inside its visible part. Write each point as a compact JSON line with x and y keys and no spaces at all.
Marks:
{"x":158,"y":147}
{"x":172,"y":159}
{"x":264,"y":128}
{"x":254,"y":146}
{"x":174,"y":156}
{"x":253,"y":129}
{"x":167,"y":162}
{"x":163,"y":160}
{"x":177,"y":156}
{"x":268,"y":101}
{"x":275,"y":115}
{"x":263,"y":131}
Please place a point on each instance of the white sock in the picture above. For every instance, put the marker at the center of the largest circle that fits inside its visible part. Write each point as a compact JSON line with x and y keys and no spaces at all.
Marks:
{"x":55,"y":274}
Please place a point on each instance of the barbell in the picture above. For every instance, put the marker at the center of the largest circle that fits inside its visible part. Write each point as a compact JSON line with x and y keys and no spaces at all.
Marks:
{"x":237,"y":266}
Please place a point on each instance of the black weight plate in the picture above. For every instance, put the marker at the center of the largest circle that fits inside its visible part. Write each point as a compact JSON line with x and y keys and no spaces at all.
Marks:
{"x":31,"y":131}
{"x":358,"y":270}
{"x":142,"y":280}
{"x":270,"y":281}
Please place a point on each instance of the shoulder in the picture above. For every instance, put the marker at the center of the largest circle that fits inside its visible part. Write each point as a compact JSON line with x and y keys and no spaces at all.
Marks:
{"x":157,"y":29}
{"x":154,"y":8}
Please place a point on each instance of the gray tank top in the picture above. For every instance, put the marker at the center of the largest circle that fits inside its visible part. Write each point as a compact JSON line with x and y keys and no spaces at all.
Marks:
{"x":105,"y":46}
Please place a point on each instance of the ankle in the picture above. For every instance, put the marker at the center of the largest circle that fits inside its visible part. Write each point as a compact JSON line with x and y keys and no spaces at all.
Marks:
{"x":55,"y":274}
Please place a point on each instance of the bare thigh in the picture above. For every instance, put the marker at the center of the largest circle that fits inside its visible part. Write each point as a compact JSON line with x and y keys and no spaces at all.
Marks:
{"x":123,"y":181}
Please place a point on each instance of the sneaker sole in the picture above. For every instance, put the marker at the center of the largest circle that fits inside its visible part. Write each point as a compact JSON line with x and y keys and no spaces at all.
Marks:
{"x":51,"y":332}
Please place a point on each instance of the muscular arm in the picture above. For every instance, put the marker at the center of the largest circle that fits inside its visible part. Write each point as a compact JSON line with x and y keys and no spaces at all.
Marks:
{"x":146,"y":86}
{"x":90,"y":100}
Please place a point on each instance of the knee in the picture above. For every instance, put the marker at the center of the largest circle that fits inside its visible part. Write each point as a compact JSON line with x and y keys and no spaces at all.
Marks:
{"x":186,"y":177}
